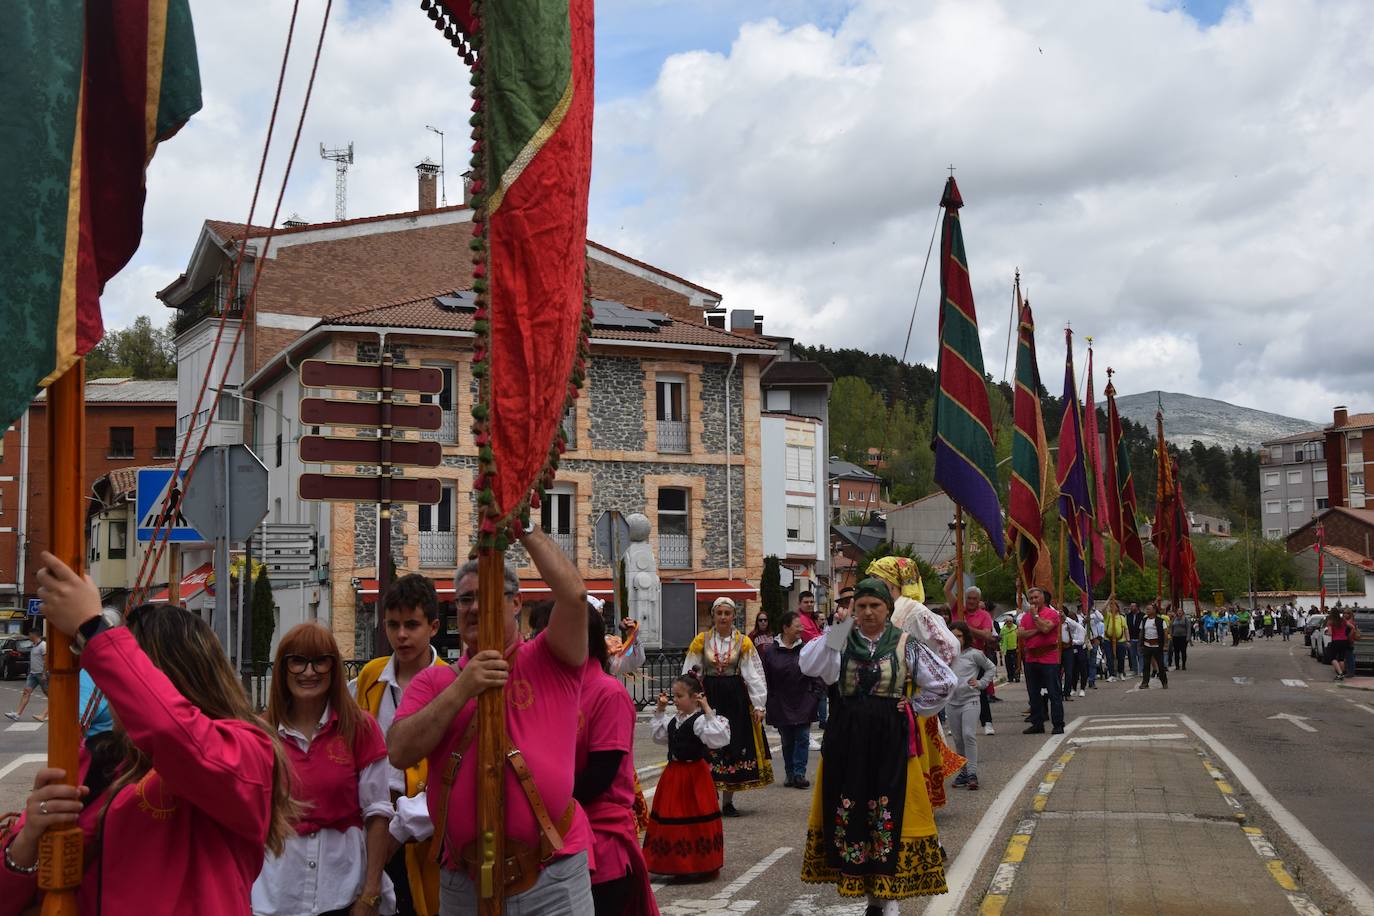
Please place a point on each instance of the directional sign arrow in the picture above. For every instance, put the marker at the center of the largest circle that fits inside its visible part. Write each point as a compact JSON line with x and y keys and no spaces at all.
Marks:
{"x":344,"y":450}
{"x":368,"y":414}
{"x":1299,"y":721}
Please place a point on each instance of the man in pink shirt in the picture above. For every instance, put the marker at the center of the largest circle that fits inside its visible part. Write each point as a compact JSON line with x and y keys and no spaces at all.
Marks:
{"x":1038,"y":641}
{"x":543,"y":680}
{"x":806,"y":607}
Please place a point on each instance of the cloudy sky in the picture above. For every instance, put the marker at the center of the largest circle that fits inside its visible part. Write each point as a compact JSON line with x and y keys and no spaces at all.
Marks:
{"x":1188,"y":182}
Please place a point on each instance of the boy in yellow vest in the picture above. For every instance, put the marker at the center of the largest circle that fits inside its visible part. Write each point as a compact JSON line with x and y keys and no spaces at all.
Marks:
{"x":410,"y":610}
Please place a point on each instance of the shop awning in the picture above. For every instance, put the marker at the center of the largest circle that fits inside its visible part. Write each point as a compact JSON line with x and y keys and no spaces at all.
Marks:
{"x":534,"y":589}
{"x":193,"y":584}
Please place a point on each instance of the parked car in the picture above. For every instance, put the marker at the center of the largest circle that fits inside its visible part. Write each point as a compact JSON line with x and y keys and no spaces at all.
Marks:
{"x":1320,"y":636}
{"x":14,"y":657}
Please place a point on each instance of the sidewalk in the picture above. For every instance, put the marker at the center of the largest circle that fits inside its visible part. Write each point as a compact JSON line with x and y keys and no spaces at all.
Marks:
{"x":1358,"y":683}
{"x":1131,"y":818}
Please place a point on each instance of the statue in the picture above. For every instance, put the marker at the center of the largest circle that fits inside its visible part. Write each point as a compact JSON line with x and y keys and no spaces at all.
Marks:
{"x":642,"y":586}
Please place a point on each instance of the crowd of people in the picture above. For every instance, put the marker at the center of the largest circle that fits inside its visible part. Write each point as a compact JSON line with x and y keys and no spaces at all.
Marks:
{"x":360,"y":797}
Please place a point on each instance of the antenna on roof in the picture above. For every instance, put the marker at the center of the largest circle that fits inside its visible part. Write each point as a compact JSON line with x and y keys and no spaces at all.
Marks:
{"x":443,"y":189}
{"x":342,"y":159}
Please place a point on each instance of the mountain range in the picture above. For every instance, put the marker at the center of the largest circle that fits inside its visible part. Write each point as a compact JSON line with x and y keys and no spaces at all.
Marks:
{"x":1211,"y":422}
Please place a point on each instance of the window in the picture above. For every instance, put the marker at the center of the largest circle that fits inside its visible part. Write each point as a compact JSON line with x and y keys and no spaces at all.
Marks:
{"x":1272,"y":507}
{"x":556,"y":516}
{"x":229,"y":406}
{"x":1276,"y":453}
{"x":448,"y":422}
{"x":835,"y":492}
{"x":1323,"y":503}
{"x":1271,"y":478}
{"x":1357,"y":480}
{"x":1295,"y":504}
{"x":801,"y":463}
{"x":1295,"y":476}
{"x":779,"y":399}
{"x":570,"y":426}
{"x":670,"y":396}
{"x":674,"y":538}
{"x":119,"y":540}
{"x":93,"y":551}
{"x":166,"y":446}
{"x":801,"y":524}
{"x":280,"y":421}
{"x":1274,"y":533}
{"x":1319,"y":474}
{"x":121,"y":442}
{"x":438,"y":546}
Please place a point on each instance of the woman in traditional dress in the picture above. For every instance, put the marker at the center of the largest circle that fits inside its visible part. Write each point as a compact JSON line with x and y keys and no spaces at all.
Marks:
{"x":733,"y":675}
{"x":872,"y":831}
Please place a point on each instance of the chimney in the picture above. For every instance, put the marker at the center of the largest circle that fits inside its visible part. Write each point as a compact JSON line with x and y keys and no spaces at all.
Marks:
{"x":742,"y":321}
{"x":428,"y":174}
{"x":294,"y":221}
{"x":1341,"y":415}
{"x":715,"y":318}
{"x":758,"y":325}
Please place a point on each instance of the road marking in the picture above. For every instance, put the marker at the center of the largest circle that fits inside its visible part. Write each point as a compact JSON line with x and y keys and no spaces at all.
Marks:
{"x":1299,"y":721}
{"x":806,"y":905}
{"x":21,"y":760}
{"x":1100,"y":728}
{"x":999,"y":891}
{"x":1243,"y":681}
{"x":1364,"y":706}
{"x":1128,"y":718}
{"x":1355,"y":890}
{"x":1097,"y":739}
{"x":961,"y":872}
{"x":25,"y":727}
{"x":722,"y":900}
{"x":737,"y":885}
{"x":1078,"y":814}
{"x":1292,"y":682}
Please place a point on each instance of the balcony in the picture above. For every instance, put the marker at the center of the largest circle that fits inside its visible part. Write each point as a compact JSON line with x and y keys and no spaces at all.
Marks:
{"x":447,"y":432}
{"x":672,"y":436}
{"x":438,"y":550}
{"x":674,"y":550}
{"x":566,"y":542}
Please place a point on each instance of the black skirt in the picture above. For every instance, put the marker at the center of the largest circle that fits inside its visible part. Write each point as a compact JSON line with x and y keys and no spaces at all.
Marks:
{"x":744,"y":763}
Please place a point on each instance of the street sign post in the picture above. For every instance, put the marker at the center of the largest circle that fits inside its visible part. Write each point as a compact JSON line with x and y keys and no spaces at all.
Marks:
{"x":158,"y":501}
{"x":35,"y":607}
{"x":227,"y":495}
{"x":384,"y":452}
{"x":612,"y":536}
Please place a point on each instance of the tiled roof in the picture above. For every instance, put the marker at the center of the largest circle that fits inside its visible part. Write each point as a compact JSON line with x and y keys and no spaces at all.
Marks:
{"x":1312,"y":435}
{"x":797,"y":372}
{"x":838,"y":468}
{"x":127,"y":391}
{"x":425,"y":314}
{"x":1351,"y":557}
{"x":1356,"y":421}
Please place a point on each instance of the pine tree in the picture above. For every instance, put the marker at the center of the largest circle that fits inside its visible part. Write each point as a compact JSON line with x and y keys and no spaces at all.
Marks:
{"x":770,"y":590}
{"x":264,"y":619}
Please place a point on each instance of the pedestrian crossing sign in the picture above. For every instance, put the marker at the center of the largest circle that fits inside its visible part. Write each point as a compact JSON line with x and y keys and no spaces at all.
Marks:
{"x":158,"y":502}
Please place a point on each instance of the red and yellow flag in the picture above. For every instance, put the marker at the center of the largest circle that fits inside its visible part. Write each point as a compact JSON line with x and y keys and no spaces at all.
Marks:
{"x":89,"y":90}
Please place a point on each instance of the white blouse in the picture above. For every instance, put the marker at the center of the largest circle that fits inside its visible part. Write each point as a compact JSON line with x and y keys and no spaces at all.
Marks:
{"x":628,"y":661}
{"x":325,"y":870}
{"x":715,"y":647}
{"x":934,"y":677}
{"x":713,"y":730}
{"x":1072,"y":632}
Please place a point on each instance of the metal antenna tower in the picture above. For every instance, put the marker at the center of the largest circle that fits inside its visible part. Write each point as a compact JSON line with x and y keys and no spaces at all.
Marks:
{"x":342,"y":159}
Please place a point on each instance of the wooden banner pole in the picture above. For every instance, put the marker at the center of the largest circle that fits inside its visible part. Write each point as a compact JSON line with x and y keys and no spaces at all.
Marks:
{"x":491,"y":738}
{"x":59,"y":853}
{"x":958,"y":564}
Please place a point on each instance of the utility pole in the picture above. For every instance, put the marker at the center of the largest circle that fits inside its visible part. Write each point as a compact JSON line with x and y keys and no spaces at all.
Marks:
{"x":342,"y":159}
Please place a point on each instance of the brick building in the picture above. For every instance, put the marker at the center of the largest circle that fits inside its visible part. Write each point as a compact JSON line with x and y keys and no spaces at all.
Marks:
{"x":649,"y":434}
{"x":129,"y":423}
{"x":1348,"y":462}
{"x":852,"y":490}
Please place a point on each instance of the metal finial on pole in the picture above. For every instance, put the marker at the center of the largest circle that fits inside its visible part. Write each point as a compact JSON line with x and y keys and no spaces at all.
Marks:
{"x":443,"y":187}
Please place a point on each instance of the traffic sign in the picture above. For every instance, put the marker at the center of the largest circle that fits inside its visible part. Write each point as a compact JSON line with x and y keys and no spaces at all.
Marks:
{"x":35,"y":607}
{"x":349,"y":488}
{"x":348,"y":450}
{"x":320,"y":373}
{"x":158,"y":501}
{"x":611,"y":535}
{"x":236,"y":483}
{"x":368,"y":414}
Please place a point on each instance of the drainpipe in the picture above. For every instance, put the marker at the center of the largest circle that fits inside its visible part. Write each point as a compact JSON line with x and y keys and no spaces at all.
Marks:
{"x":729,"y":488}
{"x":21,"y":547}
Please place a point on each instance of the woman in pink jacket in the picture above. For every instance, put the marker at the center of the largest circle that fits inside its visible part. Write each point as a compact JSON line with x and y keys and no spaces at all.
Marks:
{"x":200,"y":791}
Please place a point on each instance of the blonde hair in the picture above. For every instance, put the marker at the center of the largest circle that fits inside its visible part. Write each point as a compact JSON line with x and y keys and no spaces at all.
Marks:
{"x":184,"y":648}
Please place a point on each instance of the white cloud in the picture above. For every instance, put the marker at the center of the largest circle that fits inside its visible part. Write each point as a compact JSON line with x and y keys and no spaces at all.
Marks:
{"x":1195,"y":198}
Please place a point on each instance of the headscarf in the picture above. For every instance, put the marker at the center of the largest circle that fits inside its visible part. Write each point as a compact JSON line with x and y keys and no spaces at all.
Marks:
{"x":723,"y":600}
{"x":902,"y":574}
{"x":874,"y":587}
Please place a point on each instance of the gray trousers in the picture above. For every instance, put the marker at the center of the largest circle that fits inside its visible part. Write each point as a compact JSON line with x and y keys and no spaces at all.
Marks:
{"x":564,"y":888}
{"x":963,"y":722}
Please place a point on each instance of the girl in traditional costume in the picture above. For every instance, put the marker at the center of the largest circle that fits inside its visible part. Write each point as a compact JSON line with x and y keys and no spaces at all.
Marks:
{"x":735,"y":685}
{"x":872,"y":831}
{"x":685,"y":835}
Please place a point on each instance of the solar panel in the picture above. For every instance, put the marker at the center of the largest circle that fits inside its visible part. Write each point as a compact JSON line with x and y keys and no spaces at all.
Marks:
{"x":620,"y":317}
{"x":464,"y":300}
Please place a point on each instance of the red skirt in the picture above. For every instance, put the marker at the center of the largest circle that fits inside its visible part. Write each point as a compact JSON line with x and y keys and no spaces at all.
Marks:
{"x":685,"y":835}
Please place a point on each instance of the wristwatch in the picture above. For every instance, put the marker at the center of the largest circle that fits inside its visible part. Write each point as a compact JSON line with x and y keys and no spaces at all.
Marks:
{"x":106,"y":620}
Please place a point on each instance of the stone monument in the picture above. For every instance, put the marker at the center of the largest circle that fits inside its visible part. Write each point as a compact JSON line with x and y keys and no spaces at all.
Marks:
{"x":642,"y":586}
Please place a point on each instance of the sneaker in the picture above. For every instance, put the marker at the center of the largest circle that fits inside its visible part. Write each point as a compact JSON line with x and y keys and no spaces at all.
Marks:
{"x":1164,"y":686}
{"x":972,"y":784}
{"x":988,"y":730}
{"x":1057,"y":730}
{"x":1111,"y":679}
{"x":961,"y":779}
{"x":1034,"y":730}
{"x":787,"y":783}
{"x":14,"y":716}
{"x":801,"y":782}
{"x":1145,"y":686}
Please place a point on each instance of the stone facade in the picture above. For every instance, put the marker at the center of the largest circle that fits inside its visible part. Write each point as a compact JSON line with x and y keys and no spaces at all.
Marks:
{"x":713,"y":421}
{"x":616,"y":389}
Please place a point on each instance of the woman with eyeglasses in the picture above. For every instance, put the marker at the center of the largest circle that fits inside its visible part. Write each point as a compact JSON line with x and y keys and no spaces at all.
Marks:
{"x":201,"y":786}
{"x":334,"y":861}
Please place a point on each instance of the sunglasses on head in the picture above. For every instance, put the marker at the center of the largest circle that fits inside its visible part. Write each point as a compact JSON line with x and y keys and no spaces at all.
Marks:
{"x":322,"y":664}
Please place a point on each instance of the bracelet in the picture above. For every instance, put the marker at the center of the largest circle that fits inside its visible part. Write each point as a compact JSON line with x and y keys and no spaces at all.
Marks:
{"x":18,"y":869}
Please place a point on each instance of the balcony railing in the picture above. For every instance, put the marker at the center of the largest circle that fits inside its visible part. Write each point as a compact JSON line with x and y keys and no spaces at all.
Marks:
{"x":566,"y":542}
{"x":674,"y":551}
{"x":438,"y":549}
{"x":447,"y":431}
{"x":672,"y":436}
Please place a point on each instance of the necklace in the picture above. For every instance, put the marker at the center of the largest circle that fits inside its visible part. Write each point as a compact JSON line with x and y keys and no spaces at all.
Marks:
{"x":721,"y":661}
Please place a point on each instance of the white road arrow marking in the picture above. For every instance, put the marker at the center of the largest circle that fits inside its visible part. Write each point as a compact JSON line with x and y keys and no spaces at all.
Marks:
{"x":1243,"y":681}
{"x":1293,"y":682}
{"x":1299,"y":721}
